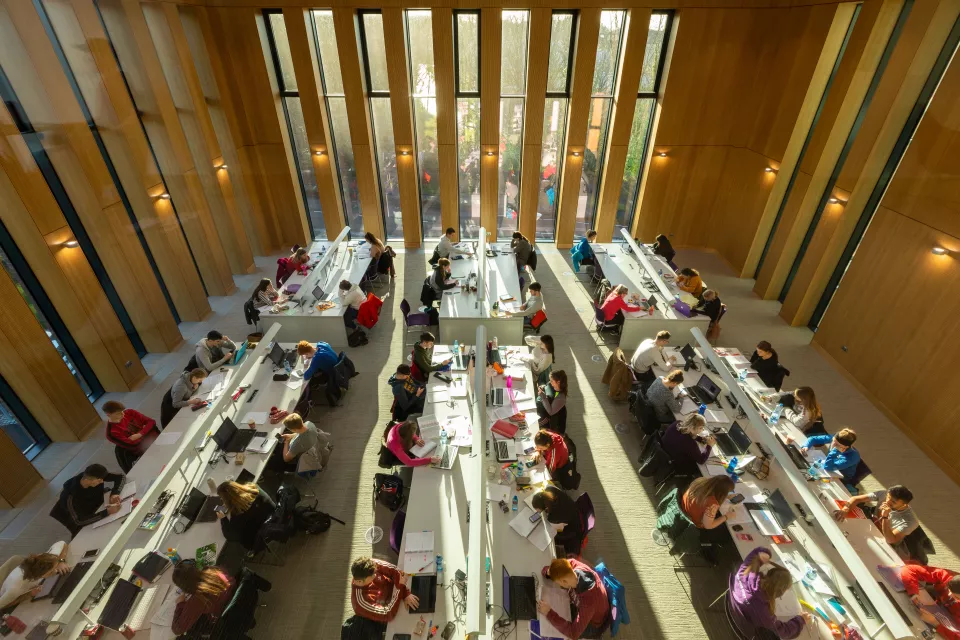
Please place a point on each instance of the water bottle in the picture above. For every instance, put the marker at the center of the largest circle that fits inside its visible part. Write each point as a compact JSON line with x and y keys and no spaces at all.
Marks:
{"x":702,"y":410}
{"x":516,"y":502}
{"x":439,"y":569}
{"x":456,"y":347}
{"x":775,"y":416}
{"x":732,"y":466}
{"x":660,"y":272}
{"x":173,"y":555}
{"x":811,"y":574}
{"x":743,"y":375}
{"x":443,"y":437}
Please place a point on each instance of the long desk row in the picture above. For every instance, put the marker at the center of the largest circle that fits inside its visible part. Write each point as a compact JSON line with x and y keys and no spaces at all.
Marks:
{"x":188,"y":429}
{"x":439,"y":502}
{"x":835,"y":566}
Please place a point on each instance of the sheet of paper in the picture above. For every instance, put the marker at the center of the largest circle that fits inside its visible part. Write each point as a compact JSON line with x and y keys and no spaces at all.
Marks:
{"x":294,"y":383}
{"x":258,"y":417}
{"x":541,"y":536}
{"x":419,"y":541}
{"x":716,"y":469}
{"x":716,"y":416}
{"x":498,"y":492}
{"x":442,"y":350}
{"x":125,"y":508}
{"x":738,"y":515}
{"x":525,"y":405}
{"x":429,"y":428}
{"x":129,"y":490}
{"x":438,"y":394}
{"x":164,"y":615}
{"x":166,"y":439}
{"x":261,"y":445}
{"x":418,"y":554}
{"x":688,"y":406}
{"x":462,"y":429}
{"x":458,"y":388}
{"x":422,"y":451}
{"x":521,"y":523}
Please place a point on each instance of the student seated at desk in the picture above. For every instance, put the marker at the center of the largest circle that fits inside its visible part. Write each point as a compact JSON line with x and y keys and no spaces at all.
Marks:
{"x":709,"y":306}
{"x":23,"y":582}
{"x":182,"y":394}
{"x":587,"y":256}
{"x":561,"y":510}
{"x":400,"y":438}
{"x":552,"y":449}
{"x":702,"y":499}
{"x":587,"y":594}
{"x":351,"y":297}
{"x":130,"y":431}
{"x":322,"y":358}
{"x":540,"y":358}
{"x":446,"y":247}
{"x":214,"y":351}
{"x":689,"y":280}
{"x":440,"y":280}
{"x":660,"y":396}
{"x":663,"y":248}
{"x":408,"y":395}
{"x":757,"y":585}
{"x":841,"y":457}
{"x":381,"y":256}
{"x":766,"y":363}
{"x":305,"y":447}
{"x":378,"y":589}
{"x":532,"y":306}
{"x":81,"y":501}
{"x":296,"y":263}
{"x":946,"y":587}
{"x":615,"y":304}
{"x":680,"y":442}
{"x":265,"y":295}
{"x":422,"y":362}
{"x":649,"y":354}
{"x":206,"y":593}
{"x":248,"y":507}
{"x":893,"y":516}
{"x":522,"y":250}
{"x":552,"y":403}
{"x":803,"y":404}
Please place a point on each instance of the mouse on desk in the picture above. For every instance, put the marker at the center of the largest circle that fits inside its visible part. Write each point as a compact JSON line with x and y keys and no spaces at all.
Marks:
{"x":737,"y":527}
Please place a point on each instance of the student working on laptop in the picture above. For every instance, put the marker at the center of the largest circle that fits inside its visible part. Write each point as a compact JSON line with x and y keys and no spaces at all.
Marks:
{"x":587,"y":593}
{"x":378,"y":589}
{"x":214,"y":351}
{"x":423,"y":364}
{"x":408,"y":394}
{"x":81,"y":501}
{"x":402,"y":437}
{"x":322,"y":358}
{"x":807,"y":415}
{"x":682,"y":440}
{"x":24,"y":581}
{"x":245,"y":508}
{"x":532,"y":306}
{"x":946,"y":587}
{"x":660,"y":396}
{"x":206,"y":593}
{"x":894,"y":516}
{"x":841,"y":457}
{"x":757,"y":585}
{"x":710,"y":307}
{"x":649,"y":354}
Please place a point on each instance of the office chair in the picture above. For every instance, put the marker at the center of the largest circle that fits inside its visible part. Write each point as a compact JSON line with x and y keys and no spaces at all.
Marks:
{"x":252,"y":316}
{"x":861,"y":472}
{"x":588,"y":519}
{"x":412,"y":320}
{"x":192,"y":363}
{"x":396,"y":530}
{"x":167,"y":410}
{"x":601,"y":322}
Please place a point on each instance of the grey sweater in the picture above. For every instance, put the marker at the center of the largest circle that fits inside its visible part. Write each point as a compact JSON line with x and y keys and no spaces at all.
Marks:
{"x":209,"y":358}
{"x":662,"y":401}
{"x":182,"y":391}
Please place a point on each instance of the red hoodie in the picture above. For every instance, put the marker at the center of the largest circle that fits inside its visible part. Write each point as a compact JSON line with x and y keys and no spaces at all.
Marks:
{"x":590,"y":599}
{"x":913,"y":574}
{"x":133,"y":422}
{"x":558,"y":454}
{"x":615,"y":303}
{"x":380,"y":600}
{"x":286,"y":267}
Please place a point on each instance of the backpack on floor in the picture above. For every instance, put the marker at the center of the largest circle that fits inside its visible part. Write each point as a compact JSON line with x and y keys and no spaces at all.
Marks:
{"x":357,"y":339}
{"x":388,"y":490}
{"x":309,"y":520}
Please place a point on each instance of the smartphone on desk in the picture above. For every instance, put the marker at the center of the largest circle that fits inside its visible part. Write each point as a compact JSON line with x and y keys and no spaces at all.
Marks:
{"x":736,"y":498}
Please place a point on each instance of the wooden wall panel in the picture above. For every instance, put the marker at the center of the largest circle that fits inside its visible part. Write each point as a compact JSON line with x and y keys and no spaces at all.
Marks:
{"x":442,"y":22}
{"x":538,"y":62}
{"x":17,"y":476}
{"x":491,"y":32}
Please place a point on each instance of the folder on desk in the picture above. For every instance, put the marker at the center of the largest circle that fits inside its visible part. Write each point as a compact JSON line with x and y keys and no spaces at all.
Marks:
{"x":504,"y":428}
{"x":418,"y":556}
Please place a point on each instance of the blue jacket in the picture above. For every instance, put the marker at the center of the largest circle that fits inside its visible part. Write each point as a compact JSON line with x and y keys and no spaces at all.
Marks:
{"x":586,"y":251}
{"x":843,"y":461}
{"x":323,"y":360}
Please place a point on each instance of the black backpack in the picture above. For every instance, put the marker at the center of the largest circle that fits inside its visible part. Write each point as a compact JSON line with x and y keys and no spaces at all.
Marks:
{"x":357,"y":338}
{"x":388,"y":490}
{"x":309,"y":520}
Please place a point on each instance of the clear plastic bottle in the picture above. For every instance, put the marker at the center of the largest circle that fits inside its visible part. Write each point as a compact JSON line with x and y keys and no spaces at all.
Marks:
{"x":516,"y":503}
{"x":456,"y":347}
{"x":443,"y":436}
{"x":775,"y":416}
{"x":702,"y":410}
{"x":173,"y":555}
{"x":742,"y":375}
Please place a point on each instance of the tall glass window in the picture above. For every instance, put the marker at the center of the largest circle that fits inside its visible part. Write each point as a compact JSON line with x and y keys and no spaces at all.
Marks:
{"x":559,"y":67}
{"x":336,"y":102}
{"x":513,"y":90}
{"x":20,"y":425}
{"x":466,"y":49}
{"x":637,"y":150}
{"x":423,"y":90}
{"x":296,"y":126}
{"x":381,"y":119}
{"x":598,"y":121}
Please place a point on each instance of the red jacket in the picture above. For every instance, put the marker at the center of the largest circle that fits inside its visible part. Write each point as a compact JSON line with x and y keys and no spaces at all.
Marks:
{"x":615,"y":303}
{"x":590,"y":599}
{"x":913,"y":574}
{"x":286,"y":267}
{"x":369,"y":312}
{"x":558,"y":454}
{"x":380,"y":600}
{"x":133,"y":422}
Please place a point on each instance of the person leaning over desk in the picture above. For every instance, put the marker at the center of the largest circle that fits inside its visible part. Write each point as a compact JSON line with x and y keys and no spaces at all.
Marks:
{"x":552,"y":449}
{"x":803,"y":403}
{"x":660,"y":396}
{"x":446,"y":248}
{"x":560,"y":509}
{"x":894,"y":516}
{"x":587,"y":593}
{"x":522,"y":249}
{"x":181,"y":394}
{"x":702,"y":499}
{"x":710,"y":306}
{"x":532,"y":306}
{"x":408,"y":394}
{"x":322,"y":358}
{"x":306,"y":448}
{"x":130,"y":431}
{"x":842,"y":457}
{"x":23,"y":582}
{"x":214,"y":350}
{"x":440,"y":280}
{"x":753,"y":597}
{"x":615,"y":304}
{"x":552,"y":403}
{"x":422,"y":358}
{"x":247,"y":508}
{"x":296,"y":263}
{"x":206,"y":593}
{"x":680,"y":441}
{"x":81,"y":500}
{"x":399,"y":438}
{"x":946,"y":587}
{"x":377,"y":589}
{"x":649,"y":354}
{"x":265,"y":295}
{"x":689,"y":280}
{"x":351,"y":297}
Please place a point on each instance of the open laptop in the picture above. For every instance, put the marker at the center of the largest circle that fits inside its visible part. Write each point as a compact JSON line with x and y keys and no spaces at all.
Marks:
{"x":318,"y":293}
{"x":230,"y":439}
{"x":66,"y":584}
{"x":689,"y":355}
{"x":118,"y":607}
{"x":506,"y":450}
{"x":733,"y":442}
{"x":705,"y":391}
{"x":425,"y":588}
{"x":199,"y":507}
{"x":279,"y":356}
{"x":241,"y":351}
{"x":651,"y":303}
{"x":519,"y":596}
{"x":499,"y":397}
{"x":447,"y":454}
{"x":773,"y":516}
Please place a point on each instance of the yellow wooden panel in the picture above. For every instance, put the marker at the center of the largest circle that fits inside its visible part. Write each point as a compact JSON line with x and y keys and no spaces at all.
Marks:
{"x":17,"y":476}
{"x":442,"y":22}
{"x":490,"y":37}
{"x":449,"y":187}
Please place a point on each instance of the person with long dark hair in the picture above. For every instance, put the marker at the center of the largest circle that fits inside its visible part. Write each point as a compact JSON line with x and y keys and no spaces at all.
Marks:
{"x":561,"y":510}
{"x":766,"y":362}
{"x":206,"y":593}
{"x":381,"y":255}
{"x":265,"y":295}
{"x":552,"y":403}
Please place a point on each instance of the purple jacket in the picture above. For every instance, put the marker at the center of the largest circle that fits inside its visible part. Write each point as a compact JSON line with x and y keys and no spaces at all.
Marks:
{"x":681,"y":447}
{"x":750,"y":608}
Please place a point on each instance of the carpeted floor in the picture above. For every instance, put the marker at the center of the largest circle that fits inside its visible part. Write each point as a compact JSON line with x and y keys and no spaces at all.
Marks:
{"x":310,"y":598}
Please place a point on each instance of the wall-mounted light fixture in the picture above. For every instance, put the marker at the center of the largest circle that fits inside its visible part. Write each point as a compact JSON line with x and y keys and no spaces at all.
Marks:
{"x":319,"y":152}
{"x":575,"y":154}
{"x":838,"y":201}
{"x":73,"y":244}
{"x":221,"y":167}
{"x":164,"y":196}
{"x":404,"y":153}
{"x":489,"y":153}
{"x":770,"y":170}
{"x":662,"y":154}
{"x":941,"y":251}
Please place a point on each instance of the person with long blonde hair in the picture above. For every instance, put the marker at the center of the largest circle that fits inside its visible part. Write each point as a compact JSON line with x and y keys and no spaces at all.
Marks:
{"x":757,"y":585}
{"x":206,"y":593}
{"x":246,"y":508}
{"x":702,"y":500}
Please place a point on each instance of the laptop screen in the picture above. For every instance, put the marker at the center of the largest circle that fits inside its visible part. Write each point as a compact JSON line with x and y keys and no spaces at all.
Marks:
{"x":688,"y":353}
{"x":781,"y":508}
{"x":652,"y":301}
{"x":317,"y":293}
{"x":740,"y":437}
{"x":224,"y":433}
{"x":506,"y":590}
{"x":708,"y":386}
{"x":276,"y":354}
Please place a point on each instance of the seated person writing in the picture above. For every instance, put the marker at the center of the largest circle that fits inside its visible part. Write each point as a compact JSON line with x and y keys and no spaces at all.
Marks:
{"x":561,"y":510}
{"x":615,"y":304}
{"x":552,"y":403}
{"x":377,"y":590}
{"x":701,"y":502}
{"x":894,"y":516}
{"x":841,"y":457}
{"x":305,"y":447}
{"x":24,"y":581}
{"x":660,"y":396}
{"x":214,"y":351}
{"x":552,"y":449}
{"x":649,"y":354}
{"x":689,"y":280}
{"x":753,"y":598}
{"x":806,"y":410}
{"x":403,"y":436}
{"x":587,"y":593}
{"x":131,"y":432}
{"x":408,"y":394}
{"x":322,"y":358}
{"x":81,"y":501}
{"x":533,"y":304}
{"x":680,"y":442}
{"x":206,"y":593}
{"x":946,"y":586}
{"x":351,"y":297}
{"x":423,"y":364}
{"x":247,"y":508}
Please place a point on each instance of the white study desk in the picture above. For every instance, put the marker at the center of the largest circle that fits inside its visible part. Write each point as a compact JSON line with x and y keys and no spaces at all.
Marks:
{"x":462,"y":311}
{"x":194,"y":473}
{"x":438,"y":502}
{"x":811,"y":542}
{"x":623,"y":268}
{"x":340,"y":261}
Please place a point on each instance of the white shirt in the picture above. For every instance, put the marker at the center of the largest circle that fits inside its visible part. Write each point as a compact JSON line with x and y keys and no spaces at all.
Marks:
{"x":16,"y":585}
{"x":352,"y":298}
{"x":538,"y":359}
{"x":647,"y":355}
{"x":446,"y":249}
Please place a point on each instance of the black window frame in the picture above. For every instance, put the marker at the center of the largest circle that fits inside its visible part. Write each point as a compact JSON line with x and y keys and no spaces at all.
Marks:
{"x":571,"y":53}
{"x":26,"y":420}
